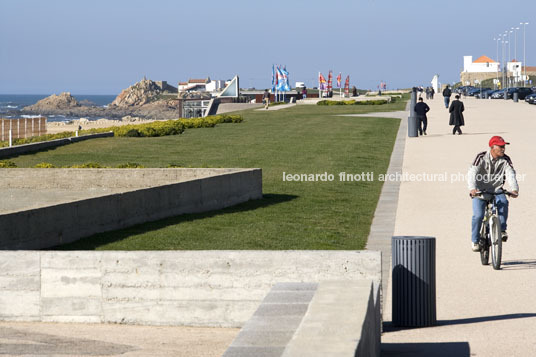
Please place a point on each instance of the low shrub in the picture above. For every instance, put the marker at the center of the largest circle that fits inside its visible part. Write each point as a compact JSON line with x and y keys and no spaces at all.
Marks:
{"x":7,"y":164}
{"x":44,"y":165}
{"x":130,"y":165}
{"x":88,"y":165}
{"x":352,"y":102}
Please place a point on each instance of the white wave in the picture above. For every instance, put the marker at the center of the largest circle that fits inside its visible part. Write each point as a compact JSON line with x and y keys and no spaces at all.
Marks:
{"x":11,"y":106}
{"x":31,"y":116}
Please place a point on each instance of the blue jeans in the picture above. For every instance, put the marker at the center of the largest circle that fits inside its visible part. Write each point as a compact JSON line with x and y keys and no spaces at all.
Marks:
{"x":447,"y":101}
{"x":479,"y":208}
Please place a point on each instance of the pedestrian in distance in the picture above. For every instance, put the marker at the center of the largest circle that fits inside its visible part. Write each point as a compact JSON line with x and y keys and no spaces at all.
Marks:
{"x":421,"y":108}
{"x":304,"y":92}
{"x":266,"y":98}
{"x":446,"y":96}
{"x":432,"y":92}
{"x":354,"y":91}
{"x":456,"y":115}
{"x":427,"y":93}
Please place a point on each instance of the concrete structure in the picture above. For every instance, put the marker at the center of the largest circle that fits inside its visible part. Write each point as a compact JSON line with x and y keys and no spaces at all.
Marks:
{"x":44,"y":145}
{"x":193,"y":288}
{"x":330,"y":318}
{"x":435,"y":83}
{"x":114,"y":199}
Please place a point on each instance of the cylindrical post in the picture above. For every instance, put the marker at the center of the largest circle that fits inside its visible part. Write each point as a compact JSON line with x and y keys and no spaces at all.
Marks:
{"x":10,"y":138}
{"x":412,"y":119}
{"x":414,"y":286}
{"x":516,"y":97}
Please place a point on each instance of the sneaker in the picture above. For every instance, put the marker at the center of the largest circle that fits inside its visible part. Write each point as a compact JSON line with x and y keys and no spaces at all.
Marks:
{"x":475,"y":247}
{"x":425,"y":133}
{"x":504,"y":236}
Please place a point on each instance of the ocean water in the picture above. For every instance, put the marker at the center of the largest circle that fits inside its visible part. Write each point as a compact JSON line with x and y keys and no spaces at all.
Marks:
{"x":11,"y":104}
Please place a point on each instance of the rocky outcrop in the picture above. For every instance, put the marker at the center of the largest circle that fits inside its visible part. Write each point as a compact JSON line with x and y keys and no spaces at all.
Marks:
{"x":138,"y":94}
{"x":62,"y":101}
{"x":139,"y":100}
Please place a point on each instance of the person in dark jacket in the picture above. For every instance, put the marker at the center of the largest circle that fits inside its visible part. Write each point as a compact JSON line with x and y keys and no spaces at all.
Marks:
{"x":421,"y":109}
{"x":456,"y":115}
{"x":446,"y":96}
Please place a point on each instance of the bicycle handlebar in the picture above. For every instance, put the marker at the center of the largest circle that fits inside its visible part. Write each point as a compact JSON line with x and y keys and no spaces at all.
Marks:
{"x":481,"y":193}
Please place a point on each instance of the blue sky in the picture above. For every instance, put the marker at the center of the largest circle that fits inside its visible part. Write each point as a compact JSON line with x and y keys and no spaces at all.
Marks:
{"x":102,"y":47}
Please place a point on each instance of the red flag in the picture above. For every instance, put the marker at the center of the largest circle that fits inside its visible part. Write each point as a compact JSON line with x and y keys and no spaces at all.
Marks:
{"x":339,"y":80}
{"x":347,"y":86}
{"x":330,"y":80}
{"x":322,"y":81}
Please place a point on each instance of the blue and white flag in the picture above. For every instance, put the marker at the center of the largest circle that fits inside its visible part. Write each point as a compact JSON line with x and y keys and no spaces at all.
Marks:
{"x":283,"y":82}
{"x":273,"y":79}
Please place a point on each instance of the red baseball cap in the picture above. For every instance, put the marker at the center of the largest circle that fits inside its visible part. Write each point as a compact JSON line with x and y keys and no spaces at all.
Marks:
{"x":497,"y":140}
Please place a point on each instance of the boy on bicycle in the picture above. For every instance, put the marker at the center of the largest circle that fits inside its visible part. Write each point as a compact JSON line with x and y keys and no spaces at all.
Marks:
{"x":489,"y":171}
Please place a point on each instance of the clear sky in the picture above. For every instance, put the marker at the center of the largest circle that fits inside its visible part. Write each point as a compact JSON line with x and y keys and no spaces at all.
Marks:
{"x":104,"y":46}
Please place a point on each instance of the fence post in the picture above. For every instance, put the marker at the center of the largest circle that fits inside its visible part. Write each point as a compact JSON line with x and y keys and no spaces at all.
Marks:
{"x":10,"y":138}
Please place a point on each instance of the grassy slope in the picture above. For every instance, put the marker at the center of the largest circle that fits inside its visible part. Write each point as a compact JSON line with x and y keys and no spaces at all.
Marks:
{"x":292,"y":215}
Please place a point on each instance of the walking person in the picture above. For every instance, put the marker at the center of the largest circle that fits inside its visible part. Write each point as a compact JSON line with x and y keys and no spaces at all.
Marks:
{"x":456,"y":115}
{"x":432,"y":92}
{"x":446,"y":96}
{"x":421,"y":109}
{"x":427,"y":93}
{"x":266,"y":98}
{"x":304,"y":92}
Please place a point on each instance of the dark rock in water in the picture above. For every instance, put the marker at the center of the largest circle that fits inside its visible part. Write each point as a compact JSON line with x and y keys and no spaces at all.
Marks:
{"x":139,"y":100}
{"x":87,"y":103}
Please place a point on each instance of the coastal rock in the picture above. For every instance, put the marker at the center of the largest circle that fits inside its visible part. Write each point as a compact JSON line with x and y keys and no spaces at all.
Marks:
{"x":54,"y":102}
{"x":138,"y":94}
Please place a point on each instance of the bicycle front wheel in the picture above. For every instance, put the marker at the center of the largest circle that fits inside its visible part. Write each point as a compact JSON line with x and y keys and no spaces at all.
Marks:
{"x":496,"y":242}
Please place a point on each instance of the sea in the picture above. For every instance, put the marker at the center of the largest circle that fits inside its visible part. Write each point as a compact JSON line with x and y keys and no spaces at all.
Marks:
{"x":11,"y":104}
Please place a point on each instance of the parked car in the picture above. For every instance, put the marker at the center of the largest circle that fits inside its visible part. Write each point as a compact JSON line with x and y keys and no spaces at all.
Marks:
{"x":521,"y":92}
{"x":485,"y":93}
{"x":474,"y":91}
{"x":531,"y":98}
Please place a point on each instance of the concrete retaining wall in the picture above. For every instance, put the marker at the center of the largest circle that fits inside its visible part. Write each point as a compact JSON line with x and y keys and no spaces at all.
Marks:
{"x":60,"y":223}
{"x":26,"y":148}
{"x":193,"y":288}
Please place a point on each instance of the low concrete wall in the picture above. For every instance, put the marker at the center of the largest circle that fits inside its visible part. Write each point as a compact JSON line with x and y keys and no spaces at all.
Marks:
{"x":192,"y":288}
{"x":26,"y":148}
{"x":329,"y":318}
{"x":60,"y":223}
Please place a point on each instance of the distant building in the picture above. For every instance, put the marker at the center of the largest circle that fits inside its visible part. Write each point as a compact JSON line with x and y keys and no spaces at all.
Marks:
{"x":478,"y":70}
{"x":201,"y":85}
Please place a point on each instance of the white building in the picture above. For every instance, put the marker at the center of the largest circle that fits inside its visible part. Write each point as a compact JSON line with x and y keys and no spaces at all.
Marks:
{"x":480,"y":65}
{"x":201,"y":85}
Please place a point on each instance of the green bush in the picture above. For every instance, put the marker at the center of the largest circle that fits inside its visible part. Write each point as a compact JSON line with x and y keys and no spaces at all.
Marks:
{"x":6,"y":164}
{"x":130,"y":165}
{"x":88,"y":165}
{"x":352,"y":102}
{"x":44,"y":165}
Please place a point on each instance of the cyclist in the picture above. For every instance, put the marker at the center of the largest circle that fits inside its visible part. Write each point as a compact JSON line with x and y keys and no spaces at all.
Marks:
{"x":489,"y":171}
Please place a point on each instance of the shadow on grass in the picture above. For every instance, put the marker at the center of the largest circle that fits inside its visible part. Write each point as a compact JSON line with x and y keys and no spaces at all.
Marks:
{"x":96,"y":240}
{"x":389,"y":327}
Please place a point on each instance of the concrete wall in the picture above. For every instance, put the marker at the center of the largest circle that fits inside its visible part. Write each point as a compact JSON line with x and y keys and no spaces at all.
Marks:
{"x":193,"y":288}
{"x":33,"y":147}
{"x":61,"y":223}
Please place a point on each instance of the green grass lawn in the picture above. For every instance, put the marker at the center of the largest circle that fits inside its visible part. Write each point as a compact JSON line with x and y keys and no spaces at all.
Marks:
{"x":292,"y":215}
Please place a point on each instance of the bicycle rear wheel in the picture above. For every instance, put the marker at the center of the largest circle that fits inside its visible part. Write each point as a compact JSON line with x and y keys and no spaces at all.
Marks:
{"x":496,"y":242}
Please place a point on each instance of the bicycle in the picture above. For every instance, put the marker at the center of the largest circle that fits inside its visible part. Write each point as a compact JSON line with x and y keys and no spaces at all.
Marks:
{"x":490,"y":231}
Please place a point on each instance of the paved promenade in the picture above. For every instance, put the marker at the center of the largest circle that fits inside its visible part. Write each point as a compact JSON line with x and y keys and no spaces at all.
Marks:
{"x":480,"y":311}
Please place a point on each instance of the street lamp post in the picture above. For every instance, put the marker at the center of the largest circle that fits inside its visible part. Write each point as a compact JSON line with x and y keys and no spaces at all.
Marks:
{"x":516,"y":78}
{"x":524,"y":58}
{"x":497,"y":58}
